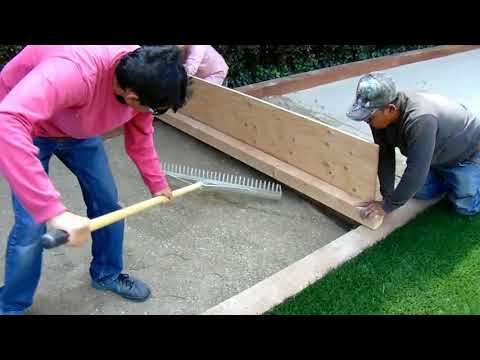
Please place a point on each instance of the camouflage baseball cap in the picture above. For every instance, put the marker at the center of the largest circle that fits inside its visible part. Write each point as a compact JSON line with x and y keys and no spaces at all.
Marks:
{"x":374,"y":91}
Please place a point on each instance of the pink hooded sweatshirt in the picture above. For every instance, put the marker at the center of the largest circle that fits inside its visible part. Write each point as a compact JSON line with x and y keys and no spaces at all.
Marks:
{"x":65,"y":91}
{"x":205,"y":62}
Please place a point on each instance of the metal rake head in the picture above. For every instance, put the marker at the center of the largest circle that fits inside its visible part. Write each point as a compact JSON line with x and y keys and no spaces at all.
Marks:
{"x":226,"y":182}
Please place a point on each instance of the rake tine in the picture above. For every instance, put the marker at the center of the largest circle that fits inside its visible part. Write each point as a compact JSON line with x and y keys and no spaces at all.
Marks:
{"x":225,"y":181}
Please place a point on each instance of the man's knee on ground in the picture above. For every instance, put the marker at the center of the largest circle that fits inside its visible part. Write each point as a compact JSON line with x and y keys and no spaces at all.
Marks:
{"x":468,"y":205}
{"x":429,"y":192}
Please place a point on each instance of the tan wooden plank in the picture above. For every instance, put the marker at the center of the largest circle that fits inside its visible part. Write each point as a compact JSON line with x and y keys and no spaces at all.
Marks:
{"x":340,"y":159}
{"x":297,"y":179}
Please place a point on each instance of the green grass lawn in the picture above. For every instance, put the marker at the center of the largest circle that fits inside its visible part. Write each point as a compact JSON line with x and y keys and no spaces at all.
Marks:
{"x":429,"y":266}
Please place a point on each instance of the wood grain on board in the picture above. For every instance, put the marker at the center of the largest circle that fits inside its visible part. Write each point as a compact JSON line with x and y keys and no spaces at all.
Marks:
{"x":339,"y":159}
{"x":292,"y":176}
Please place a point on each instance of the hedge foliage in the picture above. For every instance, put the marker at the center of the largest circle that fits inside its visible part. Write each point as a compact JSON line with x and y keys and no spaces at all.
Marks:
{"x":7,"y":52}
{"x":253,"y":63}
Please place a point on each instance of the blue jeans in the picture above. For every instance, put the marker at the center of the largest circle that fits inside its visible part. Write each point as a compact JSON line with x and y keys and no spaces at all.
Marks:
{"x":88,"y":162}
{"x":461,"y":182}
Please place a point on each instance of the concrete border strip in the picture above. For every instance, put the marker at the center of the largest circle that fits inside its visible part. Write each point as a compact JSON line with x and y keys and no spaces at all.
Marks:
{"x":289,"y":281}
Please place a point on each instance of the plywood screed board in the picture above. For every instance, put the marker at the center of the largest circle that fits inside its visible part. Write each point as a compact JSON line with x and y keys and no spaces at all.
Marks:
{"x":336,"y":157}
{"x":297,"y":179}
{"x":326,"y":164}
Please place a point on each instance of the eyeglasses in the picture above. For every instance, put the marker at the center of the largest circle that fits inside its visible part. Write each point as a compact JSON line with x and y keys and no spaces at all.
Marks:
{"x":158,"y":111}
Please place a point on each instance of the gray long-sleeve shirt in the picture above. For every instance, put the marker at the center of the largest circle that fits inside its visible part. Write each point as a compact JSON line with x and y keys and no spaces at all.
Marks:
{"x":432,"y":131}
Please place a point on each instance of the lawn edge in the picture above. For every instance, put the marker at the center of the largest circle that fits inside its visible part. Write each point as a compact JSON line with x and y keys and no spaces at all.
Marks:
{"x":291,"y":280}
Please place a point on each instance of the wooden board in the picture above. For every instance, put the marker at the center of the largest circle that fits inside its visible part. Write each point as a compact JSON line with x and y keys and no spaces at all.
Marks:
{"x":339,"y":159}
{"x":297,"y":179}
{"x":335,"y":73}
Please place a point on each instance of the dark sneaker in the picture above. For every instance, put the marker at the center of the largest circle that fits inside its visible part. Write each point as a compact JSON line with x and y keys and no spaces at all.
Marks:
{"x":125,"y":286}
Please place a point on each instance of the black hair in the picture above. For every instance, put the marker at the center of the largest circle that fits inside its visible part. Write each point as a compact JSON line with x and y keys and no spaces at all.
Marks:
{"x":156,"y":74}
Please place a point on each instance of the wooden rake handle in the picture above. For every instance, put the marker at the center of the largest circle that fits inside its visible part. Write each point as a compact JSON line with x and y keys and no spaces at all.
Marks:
{"x":58,"y":237}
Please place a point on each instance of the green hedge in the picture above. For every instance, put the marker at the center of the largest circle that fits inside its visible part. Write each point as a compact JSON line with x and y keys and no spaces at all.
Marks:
{"x":254,"y":63}
{"x":7,"y":52}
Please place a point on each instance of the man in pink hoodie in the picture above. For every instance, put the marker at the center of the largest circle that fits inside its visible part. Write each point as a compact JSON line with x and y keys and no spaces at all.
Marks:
{"x":58,"y":100}
{"x":205,"y":62}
